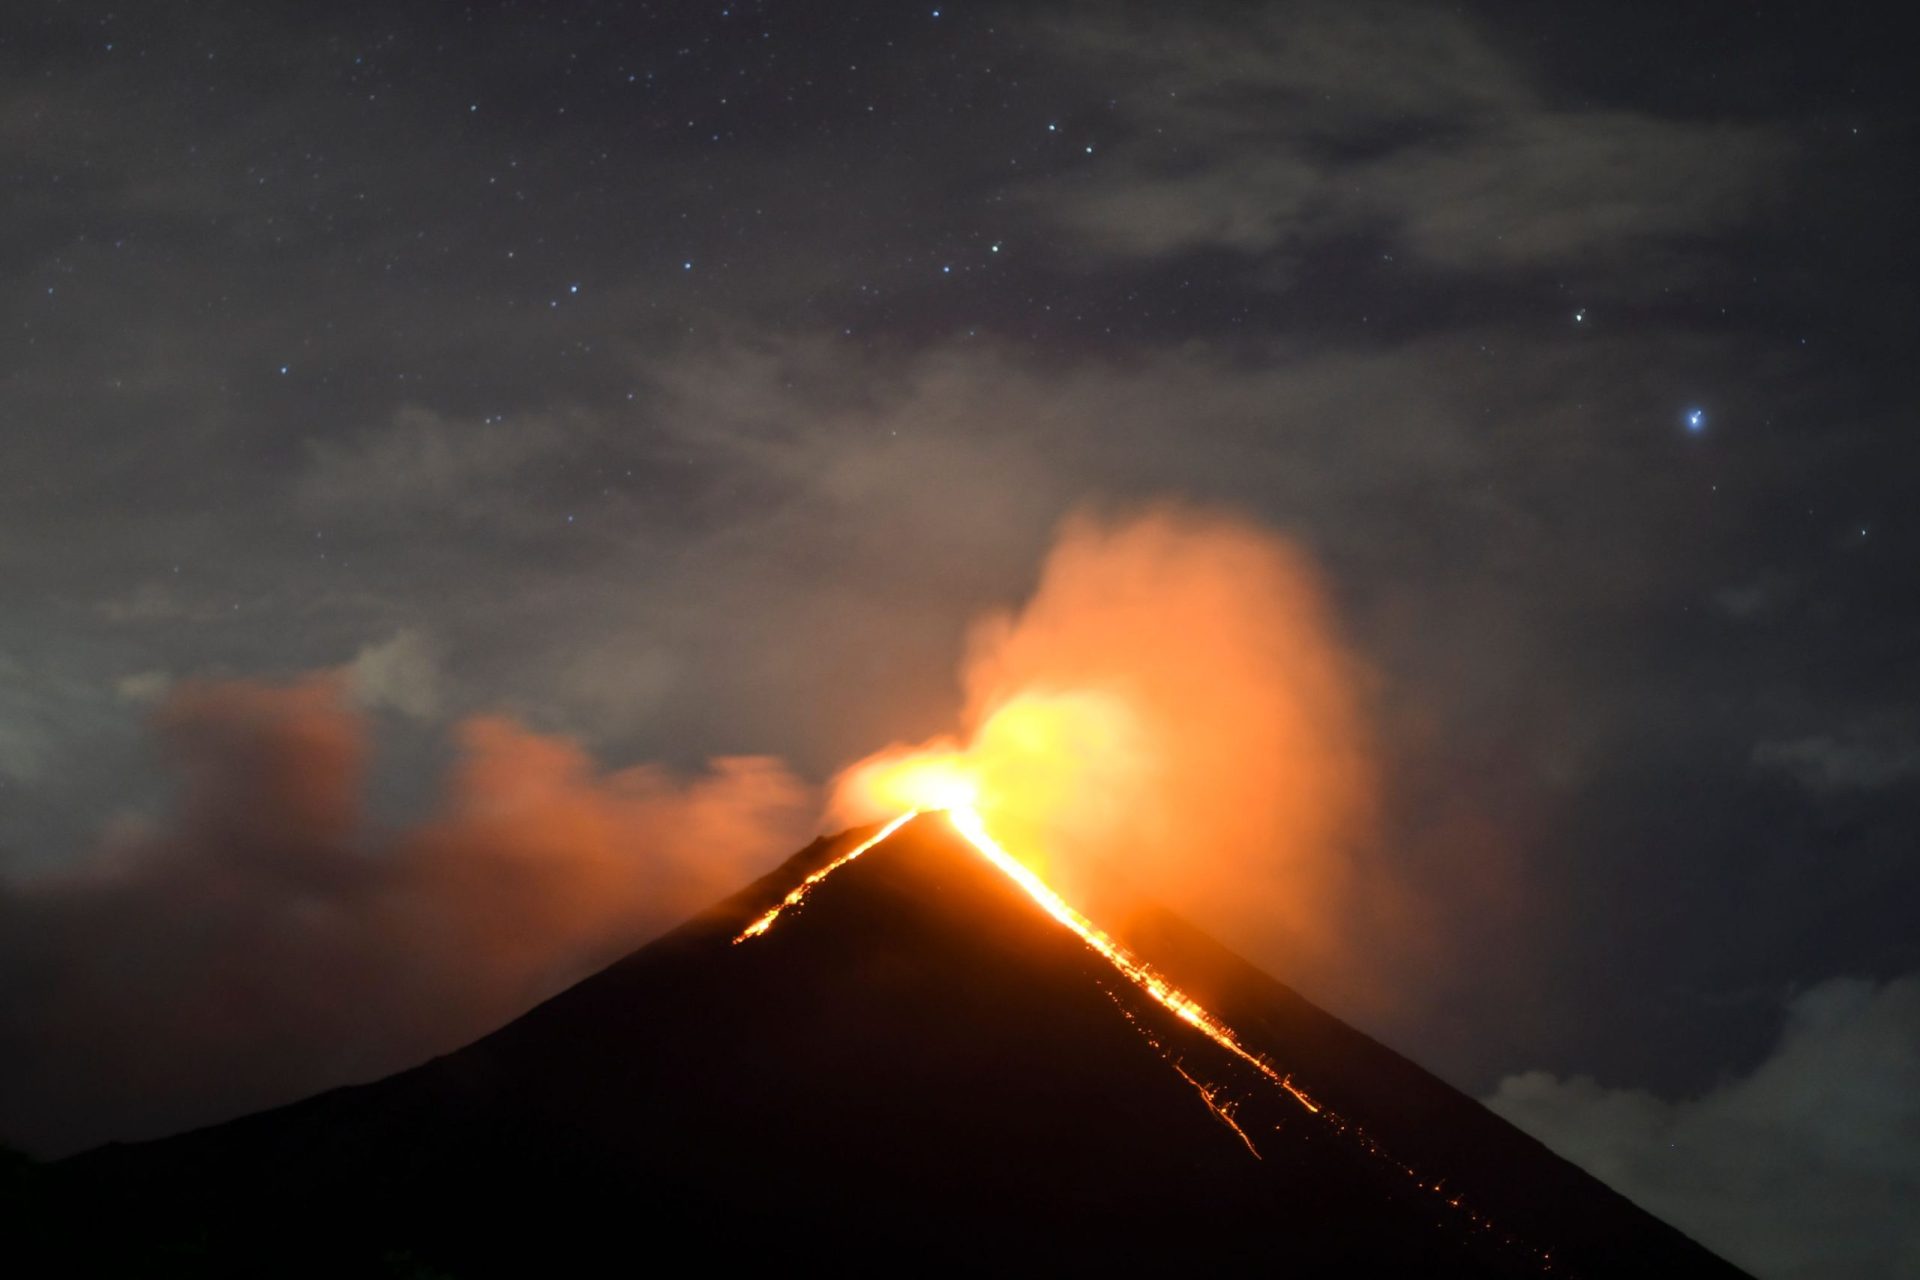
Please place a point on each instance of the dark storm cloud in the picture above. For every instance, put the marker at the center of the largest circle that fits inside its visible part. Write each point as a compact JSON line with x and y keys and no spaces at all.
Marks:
{"x":867,"y":301}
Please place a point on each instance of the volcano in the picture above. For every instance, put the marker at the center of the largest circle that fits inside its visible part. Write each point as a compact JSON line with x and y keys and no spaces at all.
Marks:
{"x":903,"y":1059}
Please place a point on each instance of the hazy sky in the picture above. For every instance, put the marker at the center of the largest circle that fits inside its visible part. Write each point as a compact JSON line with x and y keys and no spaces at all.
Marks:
{"x":668,"y":382}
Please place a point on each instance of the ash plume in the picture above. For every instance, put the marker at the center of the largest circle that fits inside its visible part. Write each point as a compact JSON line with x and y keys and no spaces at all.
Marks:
{"x":1172,"y":718}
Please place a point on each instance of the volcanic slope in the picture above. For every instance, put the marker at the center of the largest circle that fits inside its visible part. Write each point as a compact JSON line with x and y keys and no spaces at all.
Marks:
{"x":915,"y":1066}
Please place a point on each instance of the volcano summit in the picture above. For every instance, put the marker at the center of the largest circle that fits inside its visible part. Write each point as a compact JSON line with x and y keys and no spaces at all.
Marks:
{"x":905,"y":1058}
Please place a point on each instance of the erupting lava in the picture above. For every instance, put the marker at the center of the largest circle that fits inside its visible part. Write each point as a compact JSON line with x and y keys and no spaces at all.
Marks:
{"x":1171,"y":719}
{"x":1137,"y":971}
{"x":943,"y":780}
{"x":937,"y":780}
{"x":801,"y":890}
{"x":966,"y":820}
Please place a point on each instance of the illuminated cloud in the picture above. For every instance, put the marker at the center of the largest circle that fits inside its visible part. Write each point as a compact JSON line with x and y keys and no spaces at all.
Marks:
{"x":1806,"y":1167}
{"x":266,"y":925}
{"x":1171,"y":718}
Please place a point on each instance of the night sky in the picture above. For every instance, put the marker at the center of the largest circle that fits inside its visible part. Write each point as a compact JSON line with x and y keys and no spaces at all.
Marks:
{"x":400,"y":402}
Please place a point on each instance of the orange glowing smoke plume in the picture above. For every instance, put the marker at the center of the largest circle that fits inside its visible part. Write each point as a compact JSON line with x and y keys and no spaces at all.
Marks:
{"x":1170,"y":719}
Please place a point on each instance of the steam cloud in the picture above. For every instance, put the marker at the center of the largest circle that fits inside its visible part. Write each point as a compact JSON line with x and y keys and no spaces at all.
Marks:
{"x":266,"y":940}
{"x":1172,"y":719}
{"x":1806,"y":1168}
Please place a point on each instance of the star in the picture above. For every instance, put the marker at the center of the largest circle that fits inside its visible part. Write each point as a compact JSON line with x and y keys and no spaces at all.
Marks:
{"x":1696,"y":420}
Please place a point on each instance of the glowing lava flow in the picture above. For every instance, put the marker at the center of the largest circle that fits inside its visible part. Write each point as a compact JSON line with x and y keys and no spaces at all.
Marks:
{"x":801,"y":890}
{"x":968,"y":823}
{"x":1183,"y":1006}
{"x":1222,"y":1111}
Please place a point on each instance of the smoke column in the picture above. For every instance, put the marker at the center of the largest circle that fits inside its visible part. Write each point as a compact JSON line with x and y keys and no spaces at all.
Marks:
{"x":1170,"y":718}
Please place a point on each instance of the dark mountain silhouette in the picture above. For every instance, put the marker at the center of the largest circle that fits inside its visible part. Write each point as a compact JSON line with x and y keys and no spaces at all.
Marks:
{"x":915,"y":1068}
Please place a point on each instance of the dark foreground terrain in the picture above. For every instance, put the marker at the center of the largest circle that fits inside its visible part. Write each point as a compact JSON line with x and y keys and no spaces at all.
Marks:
{"x":917,"y":1068}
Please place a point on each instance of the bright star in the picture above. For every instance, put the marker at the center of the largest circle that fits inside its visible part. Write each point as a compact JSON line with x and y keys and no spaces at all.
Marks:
{"x":1696,"y":420}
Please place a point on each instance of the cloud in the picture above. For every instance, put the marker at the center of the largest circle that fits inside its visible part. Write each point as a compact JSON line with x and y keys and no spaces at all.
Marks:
{"x":472,"y":470}
{"x":1754,"y":600}
{"x":1807,"y":1167}
{"x":1827,"y":765}
{"x":1555,"y":187}
{"x":25,"y":742}
{"x":266,"y":925}
{"x":22,"y":752}
{"x":40,"y":704}
{"x":143,"y":687}
{"x":402,"y":672}
{"x":1299,"y":124}
{"x":148,"y":602}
